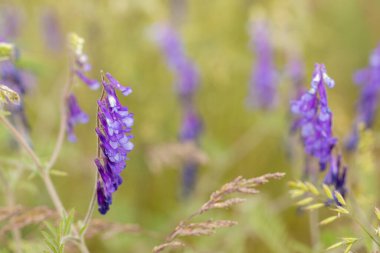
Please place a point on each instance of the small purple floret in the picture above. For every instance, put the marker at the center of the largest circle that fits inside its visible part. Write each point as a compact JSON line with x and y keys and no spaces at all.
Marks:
{"x":75,"y":116}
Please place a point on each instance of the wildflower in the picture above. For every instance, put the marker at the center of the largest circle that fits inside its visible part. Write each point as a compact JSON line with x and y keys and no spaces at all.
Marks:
{"x":336,"y":176}
{"x":81,"y":64}
{"x":263,"y":83}
{"x":314,"y":118}
{"x":115,"y":122}
{"x":187,"y":77}
{"x":75,"y":116}
{"x":369,"y":81}
{"x":187,"y":81}
{"x":78,"y":68}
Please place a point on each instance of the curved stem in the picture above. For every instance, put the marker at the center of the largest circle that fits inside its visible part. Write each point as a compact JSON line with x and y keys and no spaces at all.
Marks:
{"x":44,"y":175}
{"x":62,"y":126}
{"x":91,"y":207}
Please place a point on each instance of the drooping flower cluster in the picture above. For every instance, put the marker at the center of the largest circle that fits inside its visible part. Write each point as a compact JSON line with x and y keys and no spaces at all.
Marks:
{"x":314,"y":118}
{"x":115,"y":122}
{"x":263,"y":83}
{"x":314,"y":121}
{"x":369,"y":81}
{"x":187,"y":81}
{"x":74,"y":114}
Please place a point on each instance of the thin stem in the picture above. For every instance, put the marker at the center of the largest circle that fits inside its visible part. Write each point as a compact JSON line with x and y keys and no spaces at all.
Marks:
{"x":91,"y":206}
{"x":20,"y":139}
{"x":62,"y":126}
{"x":44,"y":175}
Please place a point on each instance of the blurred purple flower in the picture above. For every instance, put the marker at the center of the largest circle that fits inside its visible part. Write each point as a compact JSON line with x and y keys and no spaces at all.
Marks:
{"x":187,"y":77}
{"x":336,"y":176}
{"x":115,"y":122}
{"x":187,"y":81}
{"x":191,"y":125}
{"x":51,"y":30}
{"x":263,"y":83}
{"x":74,"y":117}
{"x":314,"y":118}
{"x":369,"y":81}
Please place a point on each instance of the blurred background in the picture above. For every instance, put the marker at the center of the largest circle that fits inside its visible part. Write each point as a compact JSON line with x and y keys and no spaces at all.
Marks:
{"x":237,"y":139}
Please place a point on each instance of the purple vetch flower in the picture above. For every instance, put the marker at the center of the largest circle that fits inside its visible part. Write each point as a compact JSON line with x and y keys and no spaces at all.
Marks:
{"x":75,"y":115}
{"x":81,"y":64}
{"x":186,"y":74}
{"x":314,"y":118}
{"x":187,"y":81}
{"x":369,"y":81}
{"x":115,"y":123}
{"x":263,"y":83}
{"x":336,"y":175}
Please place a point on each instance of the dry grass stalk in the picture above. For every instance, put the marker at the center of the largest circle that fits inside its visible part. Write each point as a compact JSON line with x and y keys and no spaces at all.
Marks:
{"x":217,"y":199}
{"x":20,"y":217}
{"x":8,"y":212}
{"x":108,"y":229}
{"x":27,"y":217}
{"x":175,"y":154}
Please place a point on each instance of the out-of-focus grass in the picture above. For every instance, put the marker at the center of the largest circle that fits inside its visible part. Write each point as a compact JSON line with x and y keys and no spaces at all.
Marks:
{"x":239,"y":141}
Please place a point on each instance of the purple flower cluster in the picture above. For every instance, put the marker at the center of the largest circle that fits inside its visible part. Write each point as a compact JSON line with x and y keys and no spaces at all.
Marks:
{"x":115,"y":122}
{"x":314,"y":118}
{"x":81,"y":65}
{"x":187,"y":81}
{"x":187,"y":77}
{"x":369,"y":81}
{"x":263,"y":83}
